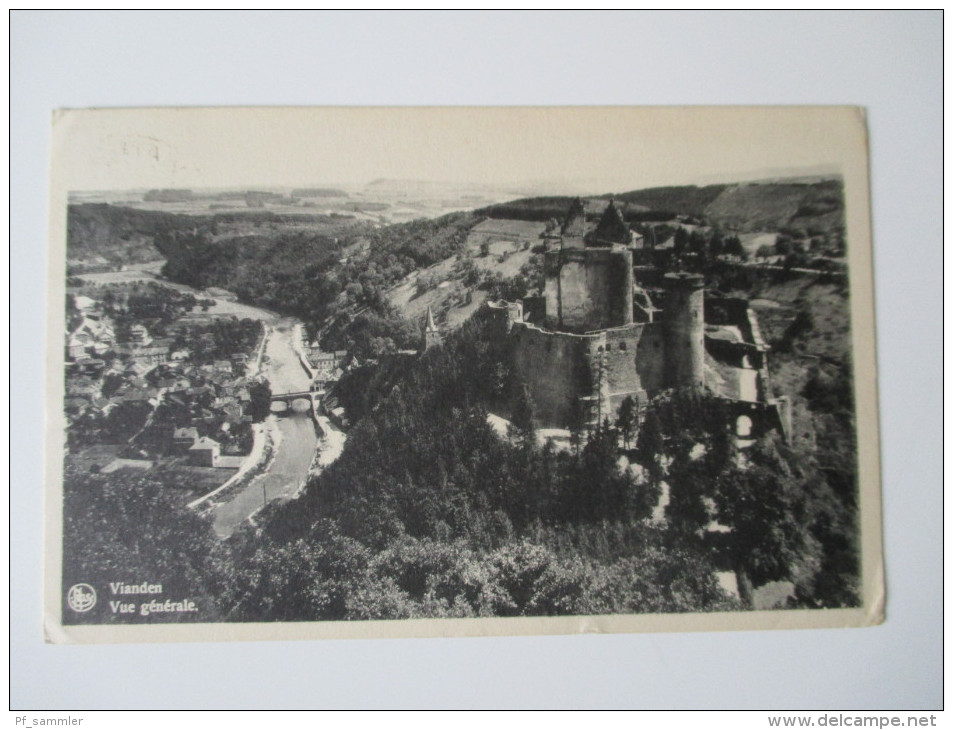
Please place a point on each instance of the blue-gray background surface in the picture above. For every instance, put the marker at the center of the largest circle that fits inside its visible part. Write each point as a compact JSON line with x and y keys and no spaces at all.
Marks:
{"x":890,"y":62}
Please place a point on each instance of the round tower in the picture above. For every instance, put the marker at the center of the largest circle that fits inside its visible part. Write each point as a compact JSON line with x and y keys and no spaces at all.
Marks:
{"x":685,"y":330}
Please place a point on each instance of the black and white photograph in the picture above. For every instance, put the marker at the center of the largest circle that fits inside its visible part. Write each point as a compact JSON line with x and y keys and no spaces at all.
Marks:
{"x":396,"y":372}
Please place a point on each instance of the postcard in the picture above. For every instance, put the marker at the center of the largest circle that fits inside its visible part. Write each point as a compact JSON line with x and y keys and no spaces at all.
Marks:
{"x":398,"y":372}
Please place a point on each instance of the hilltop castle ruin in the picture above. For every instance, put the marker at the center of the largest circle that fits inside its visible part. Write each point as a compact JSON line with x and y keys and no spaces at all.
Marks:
{"x":604,"y":330}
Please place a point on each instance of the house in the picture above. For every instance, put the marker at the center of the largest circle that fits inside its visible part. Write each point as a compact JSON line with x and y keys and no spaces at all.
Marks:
{"x":184,"y":439}
{"x":153,"y":354}
{"x":204,"y":452}
{"x":139,"y":335}
{"x":89,"y":365}
{"x":78,"y":345}
{"x":142,"y":395}
{"x":93,"y":334}
{"x":328,"y":360}
{"x":203,"y":416}
{"x":82,"y":388}
{"x":233,"y":413}
{"x":85,"y":304}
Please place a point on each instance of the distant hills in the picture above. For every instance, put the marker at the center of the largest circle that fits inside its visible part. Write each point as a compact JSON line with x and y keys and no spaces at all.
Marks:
{"x":743,"y":207}
{"x":318,"y":193}
{"x":102,"y":234}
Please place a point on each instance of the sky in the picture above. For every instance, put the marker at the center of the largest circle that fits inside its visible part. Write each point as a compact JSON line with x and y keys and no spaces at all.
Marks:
{"x":599,"y":149}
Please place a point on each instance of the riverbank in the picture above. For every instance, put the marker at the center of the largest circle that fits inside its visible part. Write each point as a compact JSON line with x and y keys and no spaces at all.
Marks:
{"x":267,"y":438}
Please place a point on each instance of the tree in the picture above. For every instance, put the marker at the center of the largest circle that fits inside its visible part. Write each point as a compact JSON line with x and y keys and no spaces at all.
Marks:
{"x":758,"y":499}
{"x":260,"y":405}
{"x":627,"y":420}
{"x":522,"y":417}
{"x":681,"y":241}
{"x":651,"y":445}
{"x":425,"y":282}
{"x":733,"y":247}
{"x":117,"y":527}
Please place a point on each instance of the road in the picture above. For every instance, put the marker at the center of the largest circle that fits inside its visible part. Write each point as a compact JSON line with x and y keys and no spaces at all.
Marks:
{"x":297,"y":440}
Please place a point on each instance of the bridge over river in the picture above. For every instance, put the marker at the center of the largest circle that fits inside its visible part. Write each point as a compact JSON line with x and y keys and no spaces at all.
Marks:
{"x":299,"y":402}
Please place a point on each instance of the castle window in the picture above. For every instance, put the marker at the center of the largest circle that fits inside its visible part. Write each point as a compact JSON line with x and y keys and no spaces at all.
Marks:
{"x":608,"y":348}
{"x":622,"y":346}
{"x":600,"y":348}
{"x":743,"y":427}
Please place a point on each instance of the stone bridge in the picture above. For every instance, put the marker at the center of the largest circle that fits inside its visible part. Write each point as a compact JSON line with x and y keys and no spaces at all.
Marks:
{"x":289,"y":397}
{"x":286,"y":399}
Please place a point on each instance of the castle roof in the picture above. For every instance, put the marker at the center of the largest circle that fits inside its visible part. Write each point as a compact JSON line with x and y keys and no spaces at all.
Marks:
{"x":612,"y":227}
{"x":575,"y":223}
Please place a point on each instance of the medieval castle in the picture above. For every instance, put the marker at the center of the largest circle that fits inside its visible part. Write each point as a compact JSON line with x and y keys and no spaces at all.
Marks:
{"x":605,"y":329}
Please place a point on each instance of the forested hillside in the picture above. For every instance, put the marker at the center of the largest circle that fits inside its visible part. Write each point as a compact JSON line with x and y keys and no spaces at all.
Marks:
{"x":315,"y":276}
{"x":119,"y":235}
{"x":814,"y":208}
{"x":686,"y":199}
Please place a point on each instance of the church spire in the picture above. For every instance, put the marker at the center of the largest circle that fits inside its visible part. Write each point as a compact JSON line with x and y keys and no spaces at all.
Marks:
{"x":431,"y":332}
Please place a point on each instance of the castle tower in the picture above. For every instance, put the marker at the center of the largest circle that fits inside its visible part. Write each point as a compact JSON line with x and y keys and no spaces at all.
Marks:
{"x":684,"y":318}
{"x":574,"y":227}
{"x":432,"y":336}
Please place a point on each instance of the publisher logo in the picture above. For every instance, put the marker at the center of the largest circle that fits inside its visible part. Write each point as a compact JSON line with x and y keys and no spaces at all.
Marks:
{"x":81,"y":597}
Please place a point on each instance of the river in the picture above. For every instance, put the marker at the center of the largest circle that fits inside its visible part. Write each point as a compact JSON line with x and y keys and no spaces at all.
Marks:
{"x":296,"y":440}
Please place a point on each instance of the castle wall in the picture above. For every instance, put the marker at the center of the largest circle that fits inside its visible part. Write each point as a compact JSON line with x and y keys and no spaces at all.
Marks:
{"x":634,"y":360}
{"x":588,"y":289}
{"x":555,"y":367}
{"x":604,"y":367}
